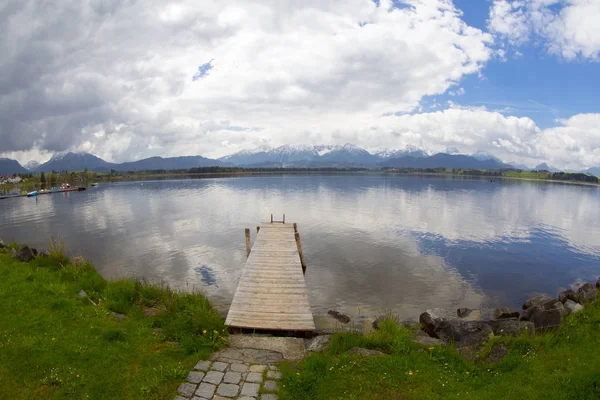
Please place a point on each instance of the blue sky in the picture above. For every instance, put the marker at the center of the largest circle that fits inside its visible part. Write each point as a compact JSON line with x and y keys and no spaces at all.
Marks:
{"x":175,"y":77}
{"x":531,"y":84}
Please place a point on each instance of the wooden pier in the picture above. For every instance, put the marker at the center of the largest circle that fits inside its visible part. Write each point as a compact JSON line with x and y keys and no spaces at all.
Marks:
{"x":271,"y":293}
{"x":39,"y":193}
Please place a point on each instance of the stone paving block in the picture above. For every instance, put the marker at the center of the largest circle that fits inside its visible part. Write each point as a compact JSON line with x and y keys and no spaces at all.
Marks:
{"x":250,"y":389}
{"x":180,"y":398}
{"x":221,"y":398}
{"x":246,"y":398}
{"x":195,"y":377}
{"x":268,"y":397}
{"x":274,"y":375}
{"x":228,"y":390}
{"x":271,"y":386}
{"x":186,"y":389}
{"x":258,"y":368}
{"x":213,"y":377}
{"x":273,"y":368}
{"x":255,"y":377}
{"x":203,"y":365}
{"x":219,"y":366}
{"x":239,"y":367}
{"x":200,"y":398}
{"x":206,"y":390}
{"x":232,"y":377}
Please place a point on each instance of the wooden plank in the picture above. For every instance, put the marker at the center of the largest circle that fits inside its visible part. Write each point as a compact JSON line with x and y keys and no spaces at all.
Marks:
{"x":272,"y":292}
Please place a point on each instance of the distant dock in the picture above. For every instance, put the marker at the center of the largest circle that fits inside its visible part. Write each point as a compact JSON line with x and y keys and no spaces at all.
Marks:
{"x":272,"y":293}
{"x":77,"y":189}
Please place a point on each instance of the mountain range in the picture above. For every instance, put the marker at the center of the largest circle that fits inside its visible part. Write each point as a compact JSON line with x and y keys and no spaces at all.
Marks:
{"x":288,"y":156}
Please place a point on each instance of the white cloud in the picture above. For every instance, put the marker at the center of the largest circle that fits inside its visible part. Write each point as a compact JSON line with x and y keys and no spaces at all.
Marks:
{"x":116,"y":78}
{"x":568,"y":28}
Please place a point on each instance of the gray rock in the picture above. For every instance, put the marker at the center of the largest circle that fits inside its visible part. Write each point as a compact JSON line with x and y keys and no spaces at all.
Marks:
{"x":463,"y":333}
{"x":232,"y":377}
{"x":213,"y":377}
{"x":202,"y":365}
{"x":425,"y":340}
{"x":206,"y":390}
{"x":586,"y":293}
{"x":505,"y":313}
{"x":318,"y":344}
{"x":186,"y":389}
{"x":572,"y":307}
{"x":44,"y":253}
{"x":343,"y":318}
{"x":511,"y":327}
{"x":228,"y":390}
{"x":598,"y":283}
{"x":195,"y":377}
{"x":432,"y":317}
{"x":567,"y":295}
{"x":271,"y":386}
{"x":250,"y":389}
{"x":536,"y":300}
{"x":34,"y":251}
{"x":2,"y":245}
{"x":464,"y":312}
{"x":497,"y":354}
{"x":117,"y":316}
{"x":82,"y":294}
{"x":25,"y":254}
{"x":410,"y":323}
{"x":258,"y":368}
{"x":13,"y":253}
{"x":364,"y":352}
{"x":545,"y":316}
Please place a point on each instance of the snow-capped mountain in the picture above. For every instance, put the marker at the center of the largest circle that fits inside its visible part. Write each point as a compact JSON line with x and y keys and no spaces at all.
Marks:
{"x":483,"y":156}
{"x":545,"y":167}
{"x":409,"y":150}
{"x":452,"y":150}
{"x":32,"y":165}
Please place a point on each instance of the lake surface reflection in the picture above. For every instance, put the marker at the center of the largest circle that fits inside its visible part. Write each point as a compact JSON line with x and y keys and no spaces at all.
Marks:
{"x":373,"y":243}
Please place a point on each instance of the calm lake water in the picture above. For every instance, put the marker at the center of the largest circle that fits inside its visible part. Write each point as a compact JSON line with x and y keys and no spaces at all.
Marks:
{"x":373,"y":243}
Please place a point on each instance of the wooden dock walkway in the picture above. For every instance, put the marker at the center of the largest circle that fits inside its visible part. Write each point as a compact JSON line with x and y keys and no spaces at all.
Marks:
{"x":271,"y":293}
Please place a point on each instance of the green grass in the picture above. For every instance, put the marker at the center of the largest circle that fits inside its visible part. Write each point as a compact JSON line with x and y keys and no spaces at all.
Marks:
{"x":54,"y":344}
{"x":527,"y":174}
{"x":561,"y":365}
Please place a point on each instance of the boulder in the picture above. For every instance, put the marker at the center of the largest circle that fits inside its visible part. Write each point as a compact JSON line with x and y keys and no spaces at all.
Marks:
{"x":598,"y":283}
{"x":432,"y":317}
{"x":511,"y":327}
{"x":25,"y":254}
{"x":13,"y":253}
{"x":425,"y":340}
{"x":464,"y":312}
{"x":318,"y":344}
{"x":343,"y":318}
{"x":572,"y":307}
{"x":536,"y":300}
{"x":463,"y":333}
{"x":506,"y":313}
{"x":117,"y":316}
{"x":545,"y":316}
{"x":34,"y":251}
{"x":567,"y":295}
{"x":364,"y":352}
{"x":497,"y":354}
{"x":2,"y":245}
{"x":586,"y":293}
{"x":82,"y":294}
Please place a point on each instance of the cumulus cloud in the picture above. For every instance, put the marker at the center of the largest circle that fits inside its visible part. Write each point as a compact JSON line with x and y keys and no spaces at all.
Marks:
{"x":128,"y":79}
{"x":568,"y":28}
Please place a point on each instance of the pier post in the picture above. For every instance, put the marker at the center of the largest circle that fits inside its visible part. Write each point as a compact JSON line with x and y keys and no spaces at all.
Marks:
{"x":247,"y":242}
{"x":284,"y":218}
{"x":299,"y":245}
{"x":295,"y":227}
{"x":257,"y":229}
{"x":271,"y":218}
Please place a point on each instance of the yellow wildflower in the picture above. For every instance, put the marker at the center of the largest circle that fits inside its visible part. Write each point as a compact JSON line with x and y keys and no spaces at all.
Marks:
{"x":431,"y":348}
{"x":53,"y":339}
{"x":410,"y":372}
{"x":467,"y":372}
{"x":204,"y":331}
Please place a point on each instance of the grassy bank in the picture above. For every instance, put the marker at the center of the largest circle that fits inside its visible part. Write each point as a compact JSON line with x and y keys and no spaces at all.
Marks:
{"x":561,"y":365}
{"x":54,"y":344}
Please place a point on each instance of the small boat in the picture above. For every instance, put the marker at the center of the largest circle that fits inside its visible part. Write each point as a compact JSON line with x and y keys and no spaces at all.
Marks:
{"x":95,"y":184}
{"x":32,"y":194}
